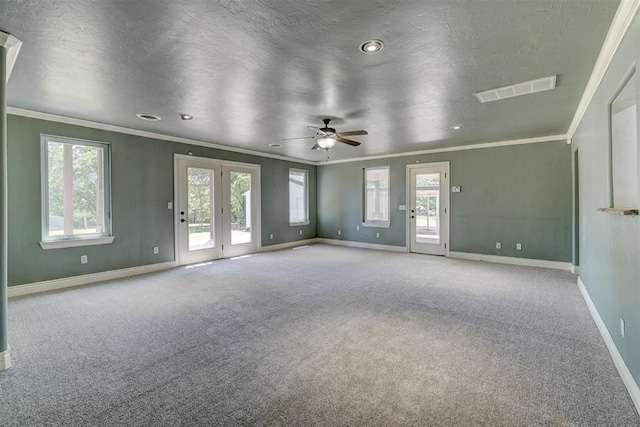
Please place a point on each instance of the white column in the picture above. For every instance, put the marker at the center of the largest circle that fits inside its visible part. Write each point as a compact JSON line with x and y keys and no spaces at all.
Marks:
{"x":9,"y":48}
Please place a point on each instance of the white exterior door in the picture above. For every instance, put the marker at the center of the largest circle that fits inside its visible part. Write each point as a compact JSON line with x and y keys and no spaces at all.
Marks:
{"x":428,"y":210}
{"x":240,"y":186}
{"x":217,"y":209}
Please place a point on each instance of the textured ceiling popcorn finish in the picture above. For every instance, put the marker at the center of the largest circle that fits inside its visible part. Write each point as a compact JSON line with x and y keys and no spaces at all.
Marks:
{"x":256,"y":72}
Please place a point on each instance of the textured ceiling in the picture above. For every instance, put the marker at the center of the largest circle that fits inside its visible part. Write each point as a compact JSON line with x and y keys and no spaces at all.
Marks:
{"x":255,"y":72}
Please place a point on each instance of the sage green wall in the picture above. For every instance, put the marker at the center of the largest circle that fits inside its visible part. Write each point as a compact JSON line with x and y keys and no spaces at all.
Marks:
{"x":142,"y":184}
{"x":609,"y":244}
{"x":518,"y":193}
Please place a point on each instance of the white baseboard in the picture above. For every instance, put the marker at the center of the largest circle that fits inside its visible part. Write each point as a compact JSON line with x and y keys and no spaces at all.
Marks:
{"x":362,"y":245}
{"x":529,"y":262}
{"x":575,"y":269}
{"x":618,"y":361}
{"x":68,"y":282}
{"x":5,"y":360}
{"x":287,"y":245}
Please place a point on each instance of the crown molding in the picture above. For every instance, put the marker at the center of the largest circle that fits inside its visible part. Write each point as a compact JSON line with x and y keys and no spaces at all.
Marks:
{"x":549,"y":138}
{"x":621,"y":22}
{"x":12,"y":44}
{"x":113,"y":128}
{"x":129,"y":131}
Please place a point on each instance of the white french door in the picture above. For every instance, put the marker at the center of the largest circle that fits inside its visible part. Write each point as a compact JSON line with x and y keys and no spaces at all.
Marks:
{"x":428,"y":210}
{"x":217,"y":209}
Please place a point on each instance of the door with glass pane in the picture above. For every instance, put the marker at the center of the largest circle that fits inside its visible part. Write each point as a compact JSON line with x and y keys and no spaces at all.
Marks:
{"x":199,"y":201}
{"x":428,"y":209}
{"x":216,"y":210}
{"x":239,"y":187}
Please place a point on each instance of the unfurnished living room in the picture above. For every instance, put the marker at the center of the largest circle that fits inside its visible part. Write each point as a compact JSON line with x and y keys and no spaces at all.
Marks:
{"x":412,"y":212}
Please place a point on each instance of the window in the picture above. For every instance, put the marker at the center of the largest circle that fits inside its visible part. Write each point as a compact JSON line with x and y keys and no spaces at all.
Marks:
{"x":76,"y":202}
{"x":298,"y":197}
{"x":624,"y":147}
{"x":376,"y":197}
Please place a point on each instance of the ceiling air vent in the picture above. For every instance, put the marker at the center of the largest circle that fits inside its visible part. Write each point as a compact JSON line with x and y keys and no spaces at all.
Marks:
{"x":532,"y":86}
{"x":148,"y":117}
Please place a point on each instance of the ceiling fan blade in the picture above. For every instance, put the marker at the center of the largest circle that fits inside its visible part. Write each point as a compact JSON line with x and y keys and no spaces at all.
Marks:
{"x":318,"y":131}
{"x":301,"y":137}
{"x":348,"y":141}
{"x":315,"y":147}
{"x":353,"y":133}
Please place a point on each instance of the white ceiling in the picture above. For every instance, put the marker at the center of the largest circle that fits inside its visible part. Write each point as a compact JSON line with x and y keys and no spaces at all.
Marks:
{"x":255,"y":72}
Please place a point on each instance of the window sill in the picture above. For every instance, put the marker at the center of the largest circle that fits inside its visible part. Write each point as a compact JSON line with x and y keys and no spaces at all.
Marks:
{"x":72,"y":243}
{"x":619,"y":211}
{"x":376,"y":224}
{"x":297,"y":224}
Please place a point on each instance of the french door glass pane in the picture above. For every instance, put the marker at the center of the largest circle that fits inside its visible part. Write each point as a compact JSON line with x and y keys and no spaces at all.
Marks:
{"x":427,"y":208}
{"x":240,"y":193}
{"x":200,"y":208}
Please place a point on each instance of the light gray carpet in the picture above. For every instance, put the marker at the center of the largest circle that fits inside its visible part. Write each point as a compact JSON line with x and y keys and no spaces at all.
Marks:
{"x":316,"y":336}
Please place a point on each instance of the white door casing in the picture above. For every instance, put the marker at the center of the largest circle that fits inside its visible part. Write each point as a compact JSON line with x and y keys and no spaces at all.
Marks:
{"x":217,"y":237}
{"x":428,"y":211}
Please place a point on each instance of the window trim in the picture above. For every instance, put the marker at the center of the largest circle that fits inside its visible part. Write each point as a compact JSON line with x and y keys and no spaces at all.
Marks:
{"x":72,"y":243}
{"x":306,"y":196}
{"x":612,"y":208}
{"x":375,"y":223}
{"x":88,"y":240}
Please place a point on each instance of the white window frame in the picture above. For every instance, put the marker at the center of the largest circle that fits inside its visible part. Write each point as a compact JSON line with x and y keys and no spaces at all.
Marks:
{"x":631,"y":160}
{"x":105,"y":237}
{"x":375,"y":223}
{"x":306,"y":196}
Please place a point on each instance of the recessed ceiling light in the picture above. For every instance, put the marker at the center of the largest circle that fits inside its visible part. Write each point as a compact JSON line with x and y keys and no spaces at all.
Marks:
{"x":275,"y":145}
{"x":186,"y":116}
{"x":149,"y":117}
{"x":456,"y":127}
{"x":372,"y":46}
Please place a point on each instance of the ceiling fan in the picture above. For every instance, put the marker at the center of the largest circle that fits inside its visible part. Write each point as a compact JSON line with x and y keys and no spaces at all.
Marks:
{"x":327,"y":137}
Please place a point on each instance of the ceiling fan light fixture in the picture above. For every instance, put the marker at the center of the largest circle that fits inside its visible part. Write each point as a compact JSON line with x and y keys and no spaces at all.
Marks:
{"x":326,"y":142}
{"x":372,"y":46}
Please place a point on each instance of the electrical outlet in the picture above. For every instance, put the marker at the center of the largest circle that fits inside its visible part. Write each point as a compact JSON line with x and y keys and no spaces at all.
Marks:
{"x":339,"y":232}
{"x":271,"y":236}
{"x":377,"y":235}
{"x":83,"y":259}
{"x":169,"y":205}
{"x":357,"y":228}
{"x":301,"y":232}
{"x":498,"y":245}
{"x":622,"y":327}
{"x":155,"y":249}
{"x":518,"y":246}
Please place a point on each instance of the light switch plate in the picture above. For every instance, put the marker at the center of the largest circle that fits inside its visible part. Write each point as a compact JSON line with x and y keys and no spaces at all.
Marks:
{"x":402,"y":207}
{"x":456,"y":189}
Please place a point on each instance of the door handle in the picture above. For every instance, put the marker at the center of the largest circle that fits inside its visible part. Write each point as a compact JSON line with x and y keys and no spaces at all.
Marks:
{"x":183,"y":220}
